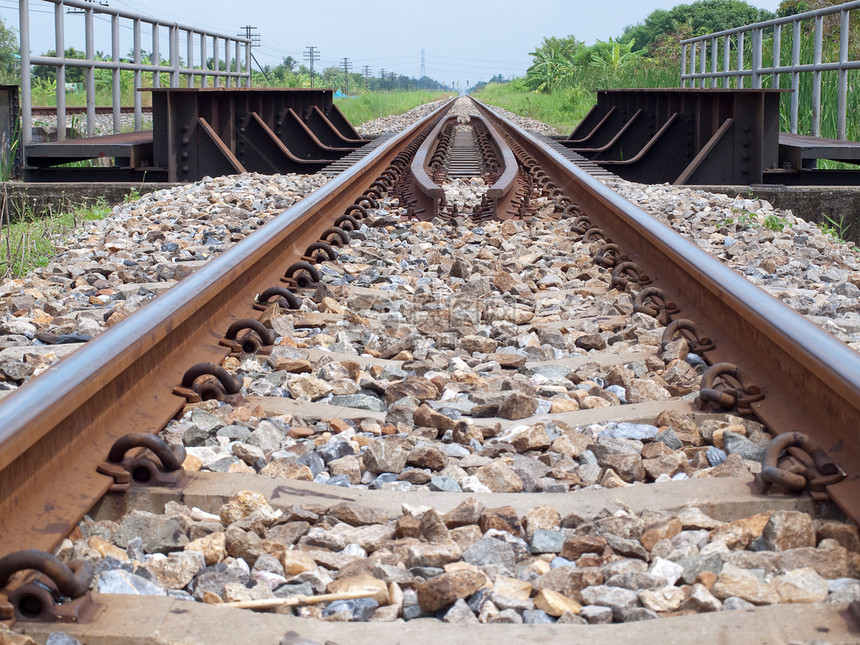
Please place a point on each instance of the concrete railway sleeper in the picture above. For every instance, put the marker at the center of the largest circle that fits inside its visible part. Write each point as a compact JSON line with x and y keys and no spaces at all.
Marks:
{"x":547,"y":423}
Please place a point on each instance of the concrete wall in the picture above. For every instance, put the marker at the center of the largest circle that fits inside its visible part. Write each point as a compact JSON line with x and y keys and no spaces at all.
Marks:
{"x":809,"y":202}
{"x":37,"y":198}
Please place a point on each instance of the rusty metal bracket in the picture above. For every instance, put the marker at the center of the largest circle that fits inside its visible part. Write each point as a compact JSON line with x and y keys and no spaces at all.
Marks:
{"x":59,"y":595}
{"x":258,"y":340}
{"x":221,"y":385}
{"x":652,"y":302}
{"x":162,"y":466}
{"x":302,"y":275}
{"x":626,"y":272}
{"x":699,"y":343}
{"x":815,"y":476}
{"x":609,"y":255}
{"x":734,"y":389}
{"x":285,"y":298}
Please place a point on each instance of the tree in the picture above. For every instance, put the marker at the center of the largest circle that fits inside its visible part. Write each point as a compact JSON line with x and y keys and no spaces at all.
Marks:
{"x":8,"y":54}
{"x":554,"y":62}
{"x":613,"y":55}
{"x":46,"y":73}
{"x":704,"y":16}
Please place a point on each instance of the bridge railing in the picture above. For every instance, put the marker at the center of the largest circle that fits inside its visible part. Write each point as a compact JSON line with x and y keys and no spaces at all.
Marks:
{"x":237,"y":63}
{"x":724,"y":55}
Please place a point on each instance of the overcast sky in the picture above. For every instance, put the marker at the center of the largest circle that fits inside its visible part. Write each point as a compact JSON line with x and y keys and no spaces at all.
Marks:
{"x":463,"y":40}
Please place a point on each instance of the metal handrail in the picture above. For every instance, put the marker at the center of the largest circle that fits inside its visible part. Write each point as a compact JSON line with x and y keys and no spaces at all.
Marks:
{"x":175,"y":68}
{"x":690,"y":47}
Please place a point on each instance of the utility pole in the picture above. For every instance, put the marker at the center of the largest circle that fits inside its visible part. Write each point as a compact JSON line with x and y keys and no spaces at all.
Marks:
{"x":254,"y":36}
{"x":382,"y":79}
{"x":423,"y":69}
{"x":366,"y":71}
{"x":346,"y":66}
{"x":311,"y":55}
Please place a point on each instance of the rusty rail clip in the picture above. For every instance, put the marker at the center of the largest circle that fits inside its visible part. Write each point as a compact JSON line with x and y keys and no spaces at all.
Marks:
{"x":162,"y":466}
{"x":800,"y":477}
{"x":734,"y":390}
{"x":59,"y":594}
{"x":221,"y":385}
{"x":258,"y":340}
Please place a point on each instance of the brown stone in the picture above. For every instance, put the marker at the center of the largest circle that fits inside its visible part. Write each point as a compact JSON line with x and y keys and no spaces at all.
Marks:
{"x":356,"y":514}
{"x":465,"y":513}
{"x":734,"y":581}
{"x":740,"y":533}
{"x":428,"y":417}
{"x":376,"y":587}
{"x":663,"y":531}
{"x":503,"y":518}
{"x":733,"y":466}
{"x":508,"y":361}
{"x":788,"y":530}
{"x":417,"y":386}
{"x":428,"y":457}
{"x":408,"y":526}
{"x":518,"y":406}
{"x":288,"y":469}
{"x":628,"y":467}
{"x":432,"y":527}
{"x":339,"y":425}
{"x":575,"y":547}
{"x":665,"y":465}
{"x":446,"y":589}
{"x":499,"y":478}
{"x":541,"y":517}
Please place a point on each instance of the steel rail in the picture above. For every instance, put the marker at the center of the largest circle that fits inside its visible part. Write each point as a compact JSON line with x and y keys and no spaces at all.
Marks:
{"x":810,"y":379}
{"x":57,"y":428}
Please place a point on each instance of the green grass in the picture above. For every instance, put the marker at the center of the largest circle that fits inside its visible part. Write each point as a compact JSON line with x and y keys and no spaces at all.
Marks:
{"x":373,"y":105}
{"x":33,"y":241}
{"x":562,"y":109}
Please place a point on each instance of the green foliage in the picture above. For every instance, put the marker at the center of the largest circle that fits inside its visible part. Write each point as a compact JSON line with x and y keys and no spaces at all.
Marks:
{"x":835,"y":228}
{"x":372,"y":105}
{"x":562,"y":109}
{"x":703,"y":16}
{"x":34,"y":240}
{"x":8,"y":54}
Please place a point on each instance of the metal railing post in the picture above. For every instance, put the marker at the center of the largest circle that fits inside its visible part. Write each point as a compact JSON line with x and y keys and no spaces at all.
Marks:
{"x":714,"y":49}
{"x":91,"y":73}
{"x":684,"y":64}
{"x":842,"y":101}
{"x":203,"y":61}
{"x":740,"y":59}
{"x":703,"y":55}
{"x":248,"y":63}
{"x":115,"y":75}
{"x":138,"y":78}
{"x":777,"y":53}
{"x":189,"y":46}
{"x":816,"y":77}
{"x":727,"y":60}
{"x":756,"y":58}
{"x":227,"y":63}
{"x":216,"y":64}
{"x":26,"y":88}
{"x":795,"y":75}
{"x":173,"y":35}
{"x":156,"y":55}
{"x":60,"y":48}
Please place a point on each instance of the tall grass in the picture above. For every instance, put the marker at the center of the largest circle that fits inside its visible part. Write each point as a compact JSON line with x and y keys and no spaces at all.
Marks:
{"x":373,"y":105}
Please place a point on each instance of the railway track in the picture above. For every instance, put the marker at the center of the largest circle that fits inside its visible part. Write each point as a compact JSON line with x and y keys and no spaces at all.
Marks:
{"x":481,"y":392}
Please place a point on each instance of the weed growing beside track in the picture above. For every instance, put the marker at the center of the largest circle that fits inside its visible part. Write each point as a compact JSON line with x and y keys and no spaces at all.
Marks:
{"x":373,"y":105}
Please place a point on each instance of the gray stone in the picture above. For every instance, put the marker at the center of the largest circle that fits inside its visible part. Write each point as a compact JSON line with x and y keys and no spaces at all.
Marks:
{"x":334,"y":449}
{"x":613,"y":597}
{"x":360,"y":609}
{"x":60,"y":638}
{"x":122,"y":582}
{"x":737,"y":444}
{"x":490,"y":551}
{"x":733,"y":603}
{"x":159,"y":533}
{"x":637,"y":431}
{"x":715,"y":456}
{"x":359,"y":401}
{"x":596,"y":614}
{"x":445,"y":484}
{"x":460,"y":614}
{"x":537,"y":617}
{"x":385,"y":456}
{"x":633,"y":614}
{"x":696,"y":564}
{"x":544,"y":541}
{"x":669,"y":437}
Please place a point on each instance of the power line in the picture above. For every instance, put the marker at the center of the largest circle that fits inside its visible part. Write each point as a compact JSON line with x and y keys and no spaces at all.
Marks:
{"x":311,"y":54}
